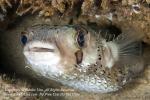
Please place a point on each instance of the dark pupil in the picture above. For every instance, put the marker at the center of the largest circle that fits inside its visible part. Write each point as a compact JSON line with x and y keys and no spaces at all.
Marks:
{"x":80,"y":39}
{"x":24,"y":39}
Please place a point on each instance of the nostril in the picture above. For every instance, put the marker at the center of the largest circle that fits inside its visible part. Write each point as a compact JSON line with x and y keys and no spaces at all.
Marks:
{"x":79,"y":56}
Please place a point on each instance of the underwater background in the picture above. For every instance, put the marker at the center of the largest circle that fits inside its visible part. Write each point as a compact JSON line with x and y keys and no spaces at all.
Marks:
{"x":115,"y":15}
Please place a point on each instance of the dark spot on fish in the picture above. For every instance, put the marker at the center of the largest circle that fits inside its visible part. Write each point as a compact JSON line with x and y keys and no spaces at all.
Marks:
{"x":99,"y":58}
{"x":95,"y":69}
{"x":103,"y":71}
{"x":117,"y":80}
{"x":109,"y":74}
{"x":120,"y":71}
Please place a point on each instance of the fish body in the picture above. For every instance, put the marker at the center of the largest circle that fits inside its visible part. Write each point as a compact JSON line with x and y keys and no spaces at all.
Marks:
{"x":80,"y":57}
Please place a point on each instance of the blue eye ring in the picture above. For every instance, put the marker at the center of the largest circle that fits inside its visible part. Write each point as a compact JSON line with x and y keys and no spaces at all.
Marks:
{"x":24,"y":39}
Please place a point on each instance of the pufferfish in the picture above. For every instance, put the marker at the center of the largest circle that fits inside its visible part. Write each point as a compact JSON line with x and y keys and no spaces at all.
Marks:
{"x":79,"y":57}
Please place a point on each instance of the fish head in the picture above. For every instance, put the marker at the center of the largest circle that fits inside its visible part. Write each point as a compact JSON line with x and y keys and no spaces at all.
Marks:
{"x":59,"y":49}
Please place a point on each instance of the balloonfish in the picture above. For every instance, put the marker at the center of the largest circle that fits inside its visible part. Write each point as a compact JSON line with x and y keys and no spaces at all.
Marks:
{"x":80,"y":57}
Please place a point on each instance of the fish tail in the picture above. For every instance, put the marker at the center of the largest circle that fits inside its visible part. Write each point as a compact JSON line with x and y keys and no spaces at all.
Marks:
{"x":130,"y":50}
{"x":129,"y":44}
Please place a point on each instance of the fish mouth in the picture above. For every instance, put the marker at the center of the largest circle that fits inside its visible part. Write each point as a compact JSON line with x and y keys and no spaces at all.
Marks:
{"x":39,"y":47}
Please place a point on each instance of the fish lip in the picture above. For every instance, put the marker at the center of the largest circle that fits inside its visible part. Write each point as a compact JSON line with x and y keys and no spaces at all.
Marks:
{"x":38,"y":46}
{"x":41,"y":49}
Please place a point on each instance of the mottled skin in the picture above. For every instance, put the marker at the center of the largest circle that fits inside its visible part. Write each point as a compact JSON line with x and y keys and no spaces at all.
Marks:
{"x":90,"y":64}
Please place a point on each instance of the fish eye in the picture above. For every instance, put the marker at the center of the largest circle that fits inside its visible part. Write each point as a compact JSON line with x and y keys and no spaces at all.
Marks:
{"x":24,"y":39}
{"x":81,"y":37}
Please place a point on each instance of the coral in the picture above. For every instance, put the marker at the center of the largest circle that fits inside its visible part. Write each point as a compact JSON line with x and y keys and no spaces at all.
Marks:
{"x":51,"y":7}
{"x":4,"y":4}
{"x":114,"y":10}
{"x":87,"y":6}
{"x":45,"y":7}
